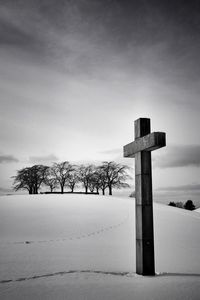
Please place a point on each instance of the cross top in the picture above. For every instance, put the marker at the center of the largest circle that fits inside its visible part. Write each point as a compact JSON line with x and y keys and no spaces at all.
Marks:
{"x":142,"y":127}
{"x":144,"y":140}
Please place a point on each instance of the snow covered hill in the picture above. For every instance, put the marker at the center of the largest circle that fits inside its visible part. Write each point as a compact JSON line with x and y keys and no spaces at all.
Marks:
{"x":83,"y":247}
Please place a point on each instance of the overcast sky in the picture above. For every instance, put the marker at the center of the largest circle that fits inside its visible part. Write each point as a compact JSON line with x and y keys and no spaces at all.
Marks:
{"x":75,"y":74}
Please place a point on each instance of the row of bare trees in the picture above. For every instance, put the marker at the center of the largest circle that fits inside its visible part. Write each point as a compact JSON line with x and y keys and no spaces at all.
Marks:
{"x":63,"y":175}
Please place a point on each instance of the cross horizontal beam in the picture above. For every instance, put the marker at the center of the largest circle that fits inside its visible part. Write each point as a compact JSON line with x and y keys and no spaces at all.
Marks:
{"x":148,"y":142}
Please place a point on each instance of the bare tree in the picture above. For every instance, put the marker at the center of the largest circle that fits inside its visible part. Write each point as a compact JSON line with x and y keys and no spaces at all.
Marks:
{"x":38,"y":174}
{"x":23,"y":181}
{"x":30,"y":178}
{"x":94,"y":182}
{"x":62,"y":171}
{"x":85,"y":176}
{"x":115,"y":174}
{"x":93,"y":178}
{"x":101,"y":179}
{"x":50,"y":180}
{"x":108,"y":175}
{"x":72,"y":179}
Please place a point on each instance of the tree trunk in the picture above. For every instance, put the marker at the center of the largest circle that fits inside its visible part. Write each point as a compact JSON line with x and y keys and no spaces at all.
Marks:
{"x":62,"y":189}
{"x":110,"y":189}
{"x":35,"y":190}
{"x":103,"y":191}
{"x":86,"y":189}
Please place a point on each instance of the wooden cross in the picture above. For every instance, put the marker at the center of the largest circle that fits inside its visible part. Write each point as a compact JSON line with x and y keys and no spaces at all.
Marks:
{"x":141,"y":148}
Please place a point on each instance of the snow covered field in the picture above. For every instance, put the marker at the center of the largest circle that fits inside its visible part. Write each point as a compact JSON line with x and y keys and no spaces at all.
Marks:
{"x":83,"y":247}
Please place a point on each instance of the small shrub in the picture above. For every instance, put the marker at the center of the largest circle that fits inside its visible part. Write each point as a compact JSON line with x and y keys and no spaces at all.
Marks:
{"x":179,"y":204}
{"x":189,"y":205}
{"x":172,"y":204}
{"x":132,"y":195}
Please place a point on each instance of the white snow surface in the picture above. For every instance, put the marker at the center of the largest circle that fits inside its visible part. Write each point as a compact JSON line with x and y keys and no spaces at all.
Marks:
{"x":83,"y":247}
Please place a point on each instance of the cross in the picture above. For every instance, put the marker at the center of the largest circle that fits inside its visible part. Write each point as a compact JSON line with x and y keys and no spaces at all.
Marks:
{"x":141,"y":148}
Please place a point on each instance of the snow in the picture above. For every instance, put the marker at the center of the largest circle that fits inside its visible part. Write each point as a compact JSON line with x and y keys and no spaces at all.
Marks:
{"x":83,"y":247}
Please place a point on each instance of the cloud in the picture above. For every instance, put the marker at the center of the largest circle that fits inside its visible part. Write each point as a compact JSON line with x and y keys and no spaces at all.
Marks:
{"x":173,"y":156}
{"x":180,"y":188}
{"x":116,"y":151}
{"x":8,"y":159}
{"x":179,"y":156}
{"x":178,"y":193}
{"x":4,"y":190}
{"x":43,"y":159}
{"x":21,"y":27}
{"x":91,"y":35}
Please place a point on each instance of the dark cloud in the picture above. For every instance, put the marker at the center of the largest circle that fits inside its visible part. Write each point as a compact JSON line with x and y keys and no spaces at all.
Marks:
{"x":48,"y":159}
{"x":12,"y":35}
{"x":87,"y":37}
{"x":171,"y":157}
{"x":8,"y":159}
{"x":120,"y":27}
{"x":179,"y":156}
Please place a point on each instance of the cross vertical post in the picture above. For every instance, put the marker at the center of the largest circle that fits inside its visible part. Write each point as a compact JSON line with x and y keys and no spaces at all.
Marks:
{"x":141,"y":148}
{"x":145,"y":262}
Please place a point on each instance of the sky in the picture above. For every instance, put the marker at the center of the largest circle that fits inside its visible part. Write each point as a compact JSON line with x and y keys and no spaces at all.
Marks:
{"x":76,"y":74}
